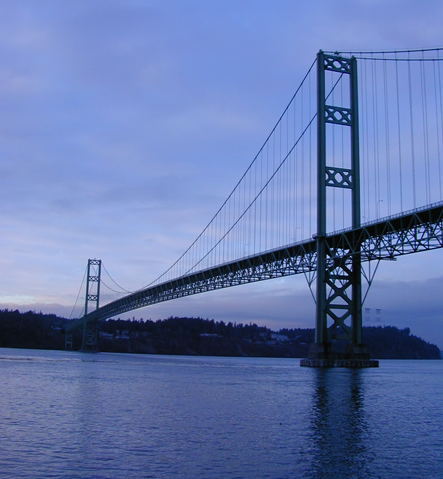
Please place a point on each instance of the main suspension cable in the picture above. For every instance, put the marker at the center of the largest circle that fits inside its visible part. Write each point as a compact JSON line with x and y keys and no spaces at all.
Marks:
{"x":112,"y":279}
{"x":78,"y":295}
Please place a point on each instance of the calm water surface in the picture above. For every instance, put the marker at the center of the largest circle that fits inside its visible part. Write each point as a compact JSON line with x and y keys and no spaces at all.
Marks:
{"x":74,"y":415}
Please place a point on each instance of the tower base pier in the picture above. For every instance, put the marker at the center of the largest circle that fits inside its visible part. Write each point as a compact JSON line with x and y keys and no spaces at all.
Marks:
{"x":321,"y":355}
{"x":339,"y":363}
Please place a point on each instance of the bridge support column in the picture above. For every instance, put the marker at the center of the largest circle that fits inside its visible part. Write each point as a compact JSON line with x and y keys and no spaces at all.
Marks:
{"x":90,"y":337}
{"x":90,"y":328}
{"x":338,"y":330}
{"x":68,"y":341}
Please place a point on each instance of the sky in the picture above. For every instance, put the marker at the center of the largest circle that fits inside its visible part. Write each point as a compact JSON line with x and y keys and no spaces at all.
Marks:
{"x":124,"y":125}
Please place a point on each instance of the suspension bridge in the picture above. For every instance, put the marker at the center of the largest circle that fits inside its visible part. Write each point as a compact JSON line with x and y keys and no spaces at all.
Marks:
{"x":351,"y":174}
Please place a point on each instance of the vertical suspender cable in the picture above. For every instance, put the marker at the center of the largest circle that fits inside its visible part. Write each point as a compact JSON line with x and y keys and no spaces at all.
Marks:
{"x":250,"y":218}
{"x":296,"y":191}
{"x":302,"y":177}
{"x":369,"y":156}
{"x":439,"y":133}
{"x":334,"y":131}
{"x":342,"y":159}
{"x":364,"y":142}
{"x":287,"y":176}
{"x":280,"y":191}
{"x":272,"y":228}
{"x":267,"y":197}
{"x":310,"y":163}
{"x":377,"y":143}
{"x":387,"y":139}
{"x":292,"y":190}
{"x":260,"y":209}
{"x":245,"y":223}
{"x":399,"y":134}
{"x":412,"y":132}
{"x":437,"y":124}
{"x":374,"y":139}
{"x":425,"y":130}
{"x":255,"y":211}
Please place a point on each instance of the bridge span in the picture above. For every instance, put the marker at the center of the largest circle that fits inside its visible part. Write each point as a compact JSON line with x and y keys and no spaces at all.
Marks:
{"x":372,"y":139}
{"x":413,"y":232}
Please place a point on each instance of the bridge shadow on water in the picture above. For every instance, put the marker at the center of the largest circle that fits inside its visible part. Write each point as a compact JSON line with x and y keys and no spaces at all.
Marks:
{"x":339,"y":427}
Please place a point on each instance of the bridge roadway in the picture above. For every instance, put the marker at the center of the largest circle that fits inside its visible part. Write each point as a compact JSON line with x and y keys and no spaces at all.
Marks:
{"x":411,"y":232}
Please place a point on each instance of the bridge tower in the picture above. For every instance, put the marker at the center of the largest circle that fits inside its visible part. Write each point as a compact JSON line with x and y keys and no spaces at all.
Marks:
{"x":339,"y":297}
{"x":90,"y":328}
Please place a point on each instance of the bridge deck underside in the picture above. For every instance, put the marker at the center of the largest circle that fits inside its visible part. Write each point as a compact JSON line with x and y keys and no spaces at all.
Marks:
{"x":420,"y":230}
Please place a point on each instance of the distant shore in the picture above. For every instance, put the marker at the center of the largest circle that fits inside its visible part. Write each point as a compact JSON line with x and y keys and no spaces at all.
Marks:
{"x":202,"y":337}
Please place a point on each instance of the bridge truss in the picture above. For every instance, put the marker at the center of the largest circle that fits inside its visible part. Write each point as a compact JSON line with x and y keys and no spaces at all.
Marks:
{"x":412,"y":232}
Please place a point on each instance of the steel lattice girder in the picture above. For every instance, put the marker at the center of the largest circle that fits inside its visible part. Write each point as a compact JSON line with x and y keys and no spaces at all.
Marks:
{"x":410,"y":233}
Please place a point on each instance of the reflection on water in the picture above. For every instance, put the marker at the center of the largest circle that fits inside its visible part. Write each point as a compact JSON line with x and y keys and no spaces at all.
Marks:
{"x":339,"y":428}
{"x":69,"y":415}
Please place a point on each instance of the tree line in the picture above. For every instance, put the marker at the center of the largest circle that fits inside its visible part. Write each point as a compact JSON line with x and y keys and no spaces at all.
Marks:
{"x":198,"y":336}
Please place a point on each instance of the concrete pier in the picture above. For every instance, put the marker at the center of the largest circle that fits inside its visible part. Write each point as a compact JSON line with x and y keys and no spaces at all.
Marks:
{"x":339,"y":363}
{"x":323,"y":356}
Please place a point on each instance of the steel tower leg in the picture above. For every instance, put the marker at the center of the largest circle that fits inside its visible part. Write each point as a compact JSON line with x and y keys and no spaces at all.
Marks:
{"x":68,"y":341}
{"x":90,"y":328}
{"x":339,"y":297}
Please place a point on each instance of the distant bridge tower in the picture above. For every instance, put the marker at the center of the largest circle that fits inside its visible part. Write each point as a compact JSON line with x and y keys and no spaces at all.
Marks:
{"x":339,"y":297}
{"x":90,"y":328}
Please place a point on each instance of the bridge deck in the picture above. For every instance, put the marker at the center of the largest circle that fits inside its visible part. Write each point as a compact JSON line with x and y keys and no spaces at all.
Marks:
{"x":411,"y":232}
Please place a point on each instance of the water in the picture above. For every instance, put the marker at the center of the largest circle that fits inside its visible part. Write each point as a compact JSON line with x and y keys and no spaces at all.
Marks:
{"x":74,"y":415}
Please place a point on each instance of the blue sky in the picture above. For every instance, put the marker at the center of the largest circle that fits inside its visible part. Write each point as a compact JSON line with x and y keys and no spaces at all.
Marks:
{"x":125,"y":124}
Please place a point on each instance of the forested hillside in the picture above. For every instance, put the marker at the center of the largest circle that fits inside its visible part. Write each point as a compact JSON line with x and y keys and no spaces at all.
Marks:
{"x":196,"y":336}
